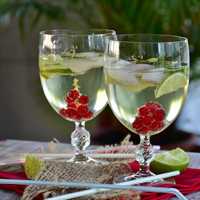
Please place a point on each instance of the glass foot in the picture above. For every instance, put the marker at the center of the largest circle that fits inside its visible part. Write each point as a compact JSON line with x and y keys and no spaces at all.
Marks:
{"x":139,"y":174}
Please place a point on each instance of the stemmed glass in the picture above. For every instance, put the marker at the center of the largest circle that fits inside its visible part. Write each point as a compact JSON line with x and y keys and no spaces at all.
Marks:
{"x":71,"y":72}
{"x":147,"y":77}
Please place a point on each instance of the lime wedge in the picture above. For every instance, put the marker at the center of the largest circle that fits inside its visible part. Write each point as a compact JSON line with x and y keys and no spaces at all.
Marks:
{"x":32,"y":166}
{"x":176,"y":159}
{"x":170,"y":84}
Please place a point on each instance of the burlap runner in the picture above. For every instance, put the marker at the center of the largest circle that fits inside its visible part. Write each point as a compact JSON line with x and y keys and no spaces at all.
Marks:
{"x":60,"y":170}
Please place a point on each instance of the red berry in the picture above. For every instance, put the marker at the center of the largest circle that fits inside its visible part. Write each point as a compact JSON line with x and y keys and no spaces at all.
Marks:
{"x":143,"y":110}
{"x":143,"y":130}
{"x":84,"y":112}
{"x":146,"y":120}
{"x":158,"y":126}
{"x":87,"y":115}
{"x":159,"y":115}
{"x":69,"y":99}
{"x":72,"y":105}
{"x":77,"y":116}
{"x":153,"y":126}
{"x":137,"y":123}
{"x":62,"y":112}
{"x":82,"y":109}
{"x":73,"y":94}
{"x":150,"y":118}
{"x":83,"y":99}
{"x":72,"y":114}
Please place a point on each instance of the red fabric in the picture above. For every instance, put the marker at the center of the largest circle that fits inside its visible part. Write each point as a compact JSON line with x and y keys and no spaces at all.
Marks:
{"x":187,"y":182}
{"x":13,"y":175}
{"x":135,"y":166}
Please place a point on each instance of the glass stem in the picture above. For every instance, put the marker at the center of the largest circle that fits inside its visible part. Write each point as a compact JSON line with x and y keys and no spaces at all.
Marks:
{"x":80,"y":140}
{"x":144,"y":155}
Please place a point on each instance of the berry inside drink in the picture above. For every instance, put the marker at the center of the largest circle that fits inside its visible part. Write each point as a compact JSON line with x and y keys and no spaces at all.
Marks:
{"x":74,"y":86}
{"x":146,"y":98}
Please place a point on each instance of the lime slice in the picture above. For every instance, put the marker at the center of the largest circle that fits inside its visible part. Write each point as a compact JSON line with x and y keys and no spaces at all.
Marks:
{"x":170,"y":84}
{"x":78,"y":63}
{"x":176,"y":159}
{"x":32,"y":166}
{"x":152,"y":60}
{"x":48,"y":72}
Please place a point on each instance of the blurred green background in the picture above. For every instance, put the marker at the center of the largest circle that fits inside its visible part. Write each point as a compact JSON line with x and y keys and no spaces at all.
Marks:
{"x":25,"y":113}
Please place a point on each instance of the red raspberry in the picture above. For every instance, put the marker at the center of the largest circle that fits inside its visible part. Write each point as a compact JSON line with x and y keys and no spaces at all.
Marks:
{"x":137,"y":123}
{"x":153,"y":126}
{"x":69,"y":112}
{"x":150,"y":118}
{"x":143,"y":111}
{"x":87,"y":115}
{"x":82,"y":109}
{"x":156,"y":126}
{"x":69,"y":99}
{"x":143,"y":130}
{"x":77,"y":116}
{"x":159,"y":114}
{"x":73,"y":94}
{"x":83,"y":99}
{"x":72,"y":105}
{"x":62,"y":112}
{"x":146,"y":120}
{"x":72,"y":114}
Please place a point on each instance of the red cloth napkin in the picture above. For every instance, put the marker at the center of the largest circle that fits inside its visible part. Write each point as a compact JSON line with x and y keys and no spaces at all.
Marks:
{"x":187,"y":182}
{"x":13,"y":175}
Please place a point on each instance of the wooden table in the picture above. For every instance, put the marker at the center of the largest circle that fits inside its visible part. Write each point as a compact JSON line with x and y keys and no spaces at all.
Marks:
{"x":17,"y":146}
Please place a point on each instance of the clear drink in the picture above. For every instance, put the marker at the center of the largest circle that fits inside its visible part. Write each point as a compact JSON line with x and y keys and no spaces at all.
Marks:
{"x":74,"y":84}
{"x":131,"y":89}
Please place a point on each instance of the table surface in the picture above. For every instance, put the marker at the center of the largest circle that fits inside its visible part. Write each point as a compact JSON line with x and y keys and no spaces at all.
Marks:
{"x":8,"y":147}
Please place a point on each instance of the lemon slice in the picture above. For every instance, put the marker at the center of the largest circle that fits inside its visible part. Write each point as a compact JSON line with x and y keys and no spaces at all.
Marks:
{"x":32,"y":166}
{"x":170,"y":84}
{"x":176,"y":159}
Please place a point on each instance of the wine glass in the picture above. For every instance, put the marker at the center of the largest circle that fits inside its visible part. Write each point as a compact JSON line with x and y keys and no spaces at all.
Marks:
{"x":71,"y":73}
{"x":147,"y":77}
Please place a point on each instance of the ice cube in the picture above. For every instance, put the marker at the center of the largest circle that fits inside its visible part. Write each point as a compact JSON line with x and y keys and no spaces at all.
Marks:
{"x":122,"y":75}
{"x":155,"y":75}
{"x":127,"y":72}
{"x":83,"y":62}
{"x":141,"y":67}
